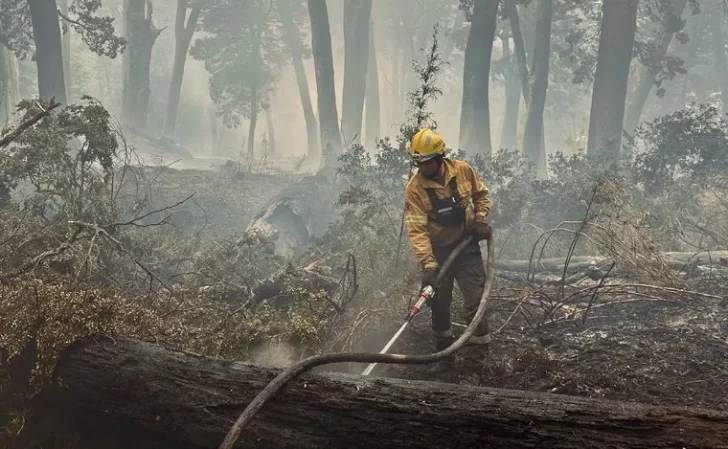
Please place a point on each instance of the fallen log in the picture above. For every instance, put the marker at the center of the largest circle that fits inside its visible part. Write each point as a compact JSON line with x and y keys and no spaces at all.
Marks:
{"x":674,"y":260}
{"x":301,"y":211}
{"x":160,"y":398}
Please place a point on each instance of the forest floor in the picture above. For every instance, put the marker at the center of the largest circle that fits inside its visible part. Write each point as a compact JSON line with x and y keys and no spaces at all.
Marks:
{"x":666,"y":351}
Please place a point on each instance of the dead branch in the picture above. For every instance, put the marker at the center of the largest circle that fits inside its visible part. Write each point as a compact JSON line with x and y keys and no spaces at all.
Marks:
{"x":28,"y":123}
{"x":133,"y":221}
{"x":35,"y":261}
{"x":120,"y":247}
{"x":596,"y":291}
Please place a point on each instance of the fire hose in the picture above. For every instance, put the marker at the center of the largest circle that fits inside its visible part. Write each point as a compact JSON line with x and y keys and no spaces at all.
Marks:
{"x":426,"y":294}
{"x":342,"y":357}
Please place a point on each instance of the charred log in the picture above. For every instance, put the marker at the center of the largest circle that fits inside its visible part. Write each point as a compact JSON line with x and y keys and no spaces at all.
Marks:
{"x":160,"y":398}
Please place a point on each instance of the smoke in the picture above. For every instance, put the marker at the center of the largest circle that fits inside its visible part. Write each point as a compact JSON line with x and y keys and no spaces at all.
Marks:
{"x":274,"y":354}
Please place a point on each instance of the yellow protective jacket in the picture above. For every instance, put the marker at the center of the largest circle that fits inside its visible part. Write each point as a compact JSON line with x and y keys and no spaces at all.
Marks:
{"x":424,"y":232}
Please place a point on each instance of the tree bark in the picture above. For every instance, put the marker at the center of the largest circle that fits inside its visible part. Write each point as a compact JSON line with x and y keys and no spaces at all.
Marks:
{"x":49,"y":51}
{"x":293,"y":44}
{"x":270,"y":130}
{"x":619,"y":22}
{"x":533,"y":132}
{"x":183,"y":36}
{"x":475,"y":111}
{"x":253,"y":122}
{"x":13,"y":69}
{"x":721,"y":64}
{"x":324,"y":63}
{"x":645,"y":74}
{"x":66,"y":42}
{"x":509,"y":132}
{"x":357,"y":14}
{"x":126,"y":390}
{"x":141,"y":36}
{"x":4,"y":86}
{"x":372,"y":118}
{"x":519,"y":49}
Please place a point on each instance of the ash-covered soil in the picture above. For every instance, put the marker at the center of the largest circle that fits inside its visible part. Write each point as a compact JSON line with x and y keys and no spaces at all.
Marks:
{"x":667,"y":350}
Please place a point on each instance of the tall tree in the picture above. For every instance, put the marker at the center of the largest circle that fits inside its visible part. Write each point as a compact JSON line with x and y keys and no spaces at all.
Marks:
{"x":372,"y":120}
{"x":183,"y":33}
{"x":519,"y":48}
{"x":646,"y":75}
{"x":4,"y":86}
{"x":534,"y":129}
{"x":324,"y":62}
{"x":509,"y":132}
{"x":270,"y":130}
{"x":255,"y":89}
{"x":357,"y":14}
{"x":66,"y":43}
{"x":49,"y":52}
{"x":718,"y":35}
{"x":243,"y":53}
{"x":475,"y":111}
{"x":619,"y":22}
{"x":141,"y":35}
{"x":296,"y":48}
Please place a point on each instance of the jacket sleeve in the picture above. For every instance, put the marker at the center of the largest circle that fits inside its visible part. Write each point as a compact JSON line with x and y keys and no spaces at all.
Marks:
{"x":480,"y":196}
{"x":415,"y":218}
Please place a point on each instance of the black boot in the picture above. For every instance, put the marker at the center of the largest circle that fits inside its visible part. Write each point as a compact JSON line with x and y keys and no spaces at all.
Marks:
{"x":475,"y":350}
{"x":446,"y":364}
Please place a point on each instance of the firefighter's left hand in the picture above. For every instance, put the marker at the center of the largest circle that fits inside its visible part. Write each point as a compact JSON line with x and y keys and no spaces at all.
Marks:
{"x":481,"y":230}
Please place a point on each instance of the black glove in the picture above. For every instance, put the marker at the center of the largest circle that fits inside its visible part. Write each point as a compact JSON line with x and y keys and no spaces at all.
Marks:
{"x":429,"y":277}
{"x":481,"y":230}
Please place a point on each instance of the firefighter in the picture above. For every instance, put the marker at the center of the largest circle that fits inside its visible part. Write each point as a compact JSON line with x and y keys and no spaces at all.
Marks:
{"x":444,"y":202}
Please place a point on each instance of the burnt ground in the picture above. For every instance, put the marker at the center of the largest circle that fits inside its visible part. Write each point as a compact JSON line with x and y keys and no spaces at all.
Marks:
{"x":669,"y":351}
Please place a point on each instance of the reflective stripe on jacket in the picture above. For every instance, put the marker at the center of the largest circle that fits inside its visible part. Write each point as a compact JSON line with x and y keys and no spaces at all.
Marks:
{"x":423,"y":231}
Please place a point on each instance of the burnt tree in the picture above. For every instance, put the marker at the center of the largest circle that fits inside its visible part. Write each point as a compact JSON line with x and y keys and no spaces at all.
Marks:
{"x":125,"y":390}
{"x":141,"y":36}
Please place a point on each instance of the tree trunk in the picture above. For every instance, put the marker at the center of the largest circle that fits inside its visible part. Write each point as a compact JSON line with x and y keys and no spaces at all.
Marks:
{"x":324,"y":62}
{"x":122,"y":390}
{"x":141,"y":36}
{"x":270,"y":129}
{"x":48,"y":48}
{"x":519,"y":48}
{"x":290,"y":35}
{"x":509,"y":133}
{"x":721,"y":65}
{"x":619,"y":22}
{"x":534,"y":130}
{"x":394,"y":97}
{"x":645,"y":74}
{"x":253,"y":123}
{"x":13,"y":69}
{"x":372,"y":118}
{"x":475,"y":112}
{"x":68,"y":74}
{"x":357,"y":14}
{"x":183,"y":36}
{"x":4,"y":86}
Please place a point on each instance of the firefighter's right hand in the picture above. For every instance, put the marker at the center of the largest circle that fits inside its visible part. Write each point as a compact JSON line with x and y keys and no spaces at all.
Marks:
{"x":429,"y":277}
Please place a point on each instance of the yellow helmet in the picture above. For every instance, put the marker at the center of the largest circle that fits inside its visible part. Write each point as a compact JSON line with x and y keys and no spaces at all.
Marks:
{"x":426,"y":145}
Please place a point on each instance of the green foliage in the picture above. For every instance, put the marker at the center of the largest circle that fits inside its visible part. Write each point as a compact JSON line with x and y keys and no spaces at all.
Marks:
{"x":689,"y":145}
{"x":97,"y":32}
{"x":68,"y":158}
{"x":243,"y":52}
{"x":16,"y":31}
